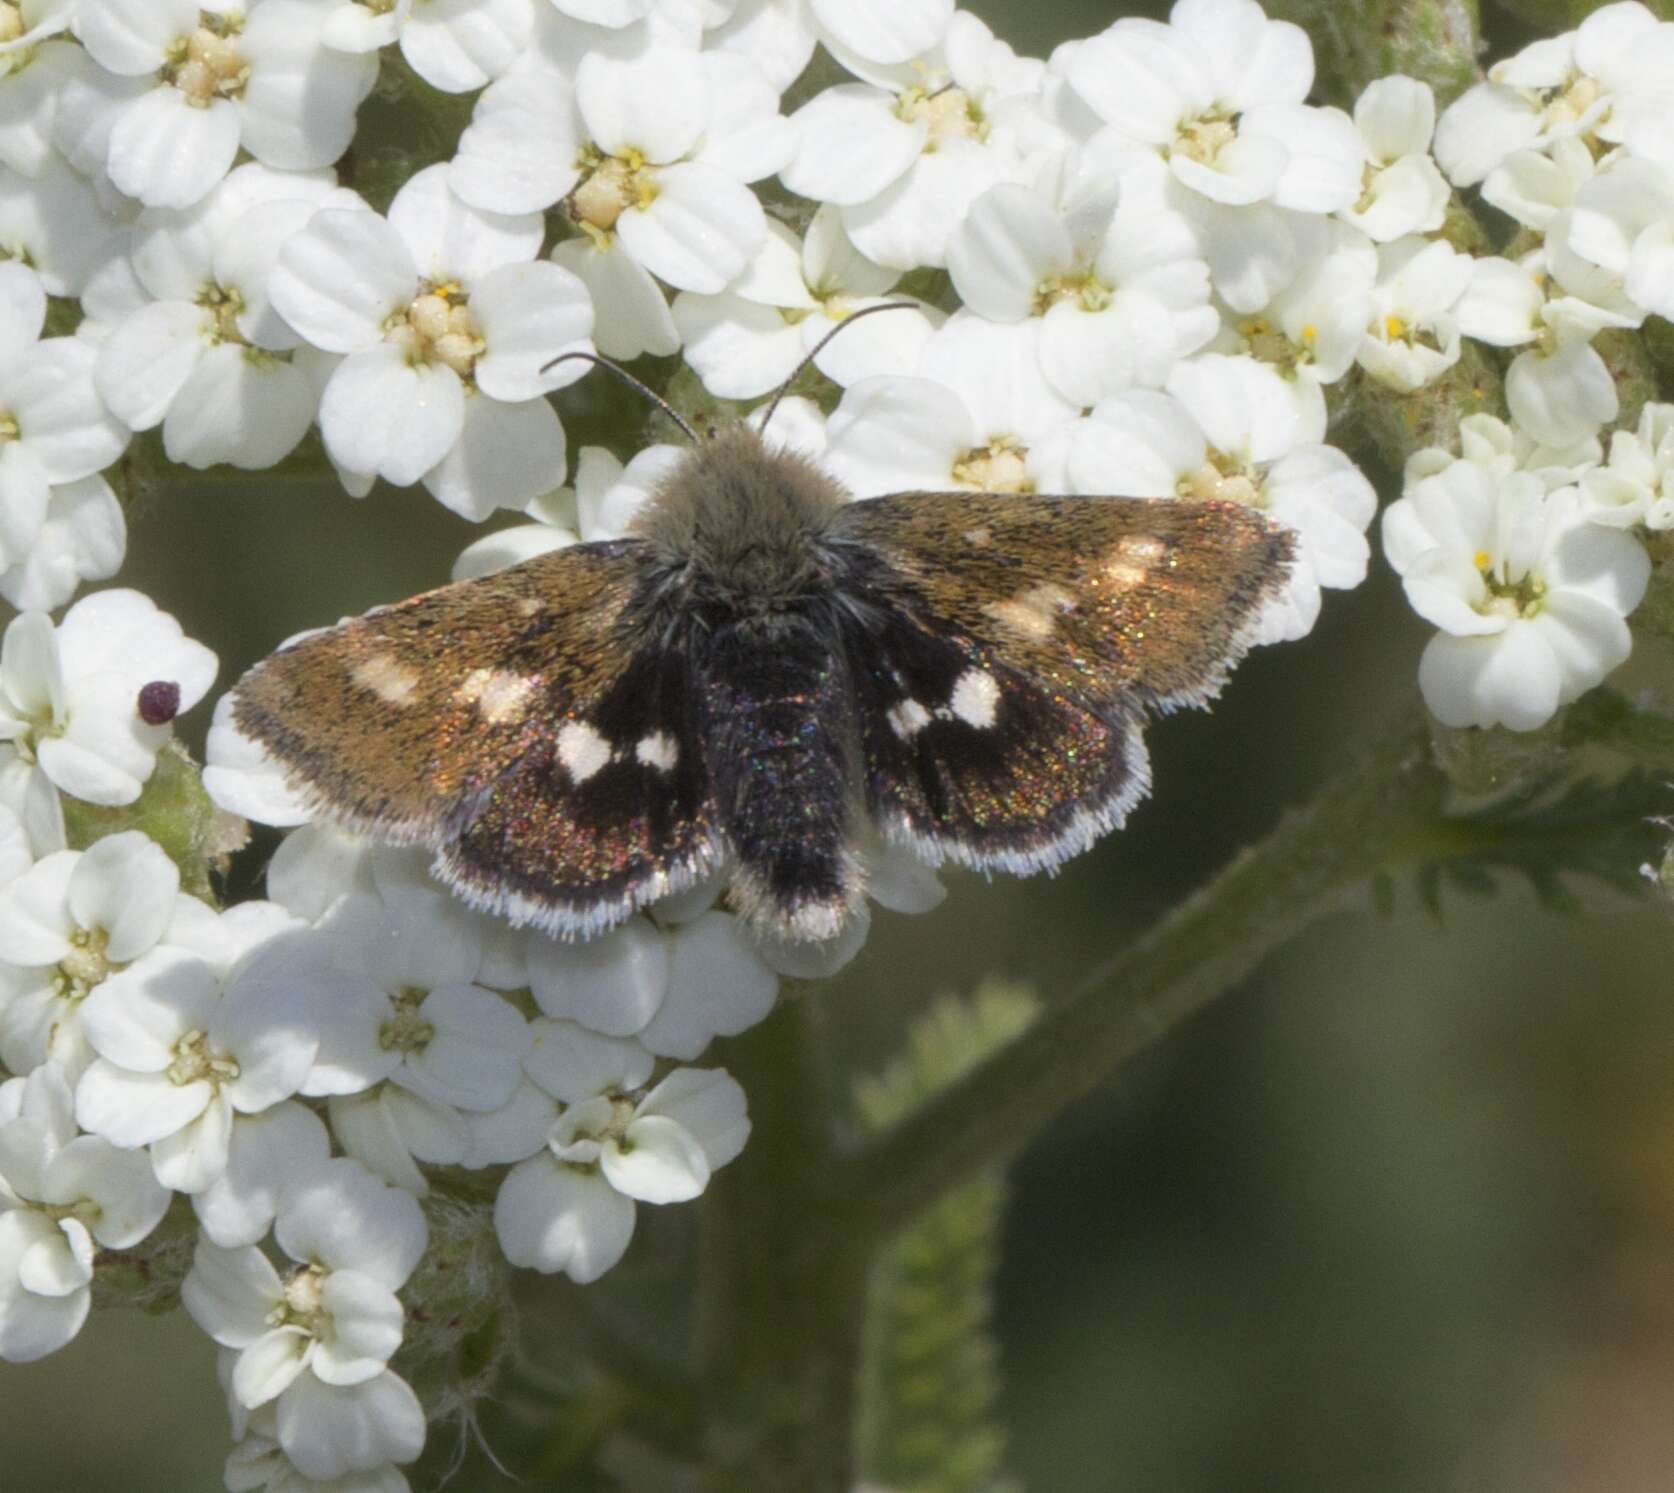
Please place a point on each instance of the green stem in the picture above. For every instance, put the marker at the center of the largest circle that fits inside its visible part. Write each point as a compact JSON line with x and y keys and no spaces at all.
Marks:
{"x":783,"y":1289}
{"x":1311,"y":863}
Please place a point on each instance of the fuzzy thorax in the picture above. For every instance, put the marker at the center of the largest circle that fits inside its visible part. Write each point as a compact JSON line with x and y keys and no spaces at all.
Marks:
{"x":745,"y":523}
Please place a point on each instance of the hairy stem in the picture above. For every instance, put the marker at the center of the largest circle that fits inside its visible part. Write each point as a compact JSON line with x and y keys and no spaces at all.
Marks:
{"x":783,"y":1288}
{"x":1315,"y":859}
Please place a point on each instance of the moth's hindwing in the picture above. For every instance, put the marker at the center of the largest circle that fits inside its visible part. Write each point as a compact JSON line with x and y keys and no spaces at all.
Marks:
{"x":1006,"y":649}
{"x":516,"y":723}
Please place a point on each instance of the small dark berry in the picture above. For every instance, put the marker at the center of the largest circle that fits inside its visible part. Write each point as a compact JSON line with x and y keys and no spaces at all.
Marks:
{"x":159,"y":702}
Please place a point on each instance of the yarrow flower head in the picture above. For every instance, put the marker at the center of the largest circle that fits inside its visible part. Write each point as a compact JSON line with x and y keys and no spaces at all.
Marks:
{"x":316,"y":1341}
{"x":447,"y":324}
{"x":63,"y":1197}
{"x":185,"y":88}
{"x":1148,"y":267}
{"x":1530,"y":598}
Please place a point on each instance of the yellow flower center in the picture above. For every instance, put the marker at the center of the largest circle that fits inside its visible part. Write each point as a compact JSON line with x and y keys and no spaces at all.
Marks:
{"x":1082,"y":287}
{"x":1000,"y":466}
{"x":207,"y":65}
{"x":1204,"y":138}
{"x":1227,"y":479}
{"x":613,"y":184}
{"x":952,"y":113}
{"x":1523,"y":597}
{"x":194,"y":1062}
{"x":437,"y":327}
{"x":85,"y":966}
{"x":406,"y":1030}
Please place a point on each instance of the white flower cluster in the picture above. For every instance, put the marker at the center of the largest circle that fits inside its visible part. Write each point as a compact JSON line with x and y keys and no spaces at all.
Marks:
{"x":1524,"y":552}
{"x":1164,"y":259}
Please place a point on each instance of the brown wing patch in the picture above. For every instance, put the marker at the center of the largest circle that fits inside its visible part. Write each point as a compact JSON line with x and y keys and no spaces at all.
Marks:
{"x":391,"y":722}
{"x":1102,"y":598}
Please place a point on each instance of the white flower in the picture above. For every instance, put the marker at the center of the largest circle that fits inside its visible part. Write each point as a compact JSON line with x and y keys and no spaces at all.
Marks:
{"x":83,"y":538}
{"x":60,"y":1194}
{"x":1217,"y":93}
{"x":447,"y":322}
{"x":1530,"y":597}
{"x":1534,"y":186}
{"x":53,"y":429}
{"x":675,"y":988}
{"x":1413,"y":337}
{"x":66,"y":925}
{"x":52,"y":220}
{"x":1401,"y":190}
{"x":70,"y":696}
{"x":258,"y":1462}
{"x":631,"y":316}
{"x":882,"y":33}
{"x":1560,"y":388}
{"x":206,"y":82}
{"x":312,"y":1338}
{"x":1118,"y":285}
{"x":981,"y":417}
{"x":407,"y":1007}
{"x":207,"y":357}
{"x":1228,"y":429}
{"x":1610,"y":78}
{"x":242,"y":778}
{"x":904,"y":153}
{"x":269,"y":1155}
{"x":1622,"y":221}
{"x":1503,"y":449}
{"x":455,"y":45}
{"x":1637,"y":484}
{"x":571,"y":1208}
{"x":654,"y":149}
{"x":185,"y":1049}
{"x":35,"y":64}
{"x":1312,"y":330}
{"x":750,"y":338}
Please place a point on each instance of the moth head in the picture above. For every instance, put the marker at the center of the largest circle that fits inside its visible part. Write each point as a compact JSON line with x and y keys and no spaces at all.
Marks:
{"x":743,"y":523}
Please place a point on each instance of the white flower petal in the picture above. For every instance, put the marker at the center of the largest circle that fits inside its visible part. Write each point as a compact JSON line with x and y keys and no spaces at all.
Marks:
{"x":699,"y":232}
{"x":718,"y":987}
{"x":551,"y":1217}
{"x":329,"y":1431}
{"x":631,"y":317}
{"x":851,"y":145}
{"x":656,"y":1161}
{"x":382,"y":414}
{"x":340,"y":279}
{"x":167,"y":152}
{"x":613,"y":984}
{"x":506,"y":455}
{"x":238,"y":407}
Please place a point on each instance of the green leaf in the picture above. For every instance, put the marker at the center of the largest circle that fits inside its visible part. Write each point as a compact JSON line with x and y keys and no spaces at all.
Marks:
{"x":929,"y":1380}
{"x":1550,"y":834}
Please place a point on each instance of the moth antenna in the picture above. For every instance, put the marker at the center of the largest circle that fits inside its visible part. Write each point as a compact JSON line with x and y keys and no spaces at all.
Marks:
{"x":819,"y":347}
{"x":633,"y":383}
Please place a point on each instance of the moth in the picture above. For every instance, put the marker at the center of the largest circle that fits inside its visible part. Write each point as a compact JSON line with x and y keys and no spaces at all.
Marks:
{"x":760,"y":669}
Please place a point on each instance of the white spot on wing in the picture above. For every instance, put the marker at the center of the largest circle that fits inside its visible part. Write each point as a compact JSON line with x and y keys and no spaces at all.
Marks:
{"x":658,"y":750}
{"x":1135,"y":555}
{"x":975,"y":698}
{"x":582,"y":750}
{"x":498,"y":694}
{"x":387,"y":677}
{"x":908,"y":718}
{"x":1033,"y":613}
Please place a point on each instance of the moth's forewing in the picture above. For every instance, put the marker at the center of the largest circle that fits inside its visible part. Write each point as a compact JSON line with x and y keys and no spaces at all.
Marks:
{"x":513,"y":722}
{"x":1011,"y":646}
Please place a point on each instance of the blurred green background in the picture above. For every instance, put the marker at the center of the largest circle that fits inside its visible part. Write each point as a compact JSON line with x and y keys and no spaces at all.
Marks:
{"x":1398,"y":1214}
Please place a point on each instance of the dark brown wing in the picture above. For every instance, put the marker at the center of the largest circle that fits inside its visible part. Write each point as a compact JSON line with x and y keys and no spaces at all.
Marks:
{"x":1009,"y":647}
{"x":519,"y":724}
